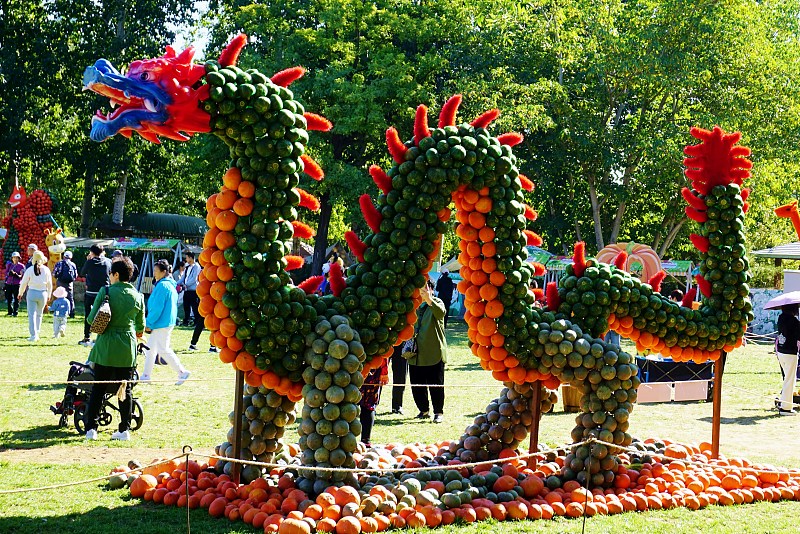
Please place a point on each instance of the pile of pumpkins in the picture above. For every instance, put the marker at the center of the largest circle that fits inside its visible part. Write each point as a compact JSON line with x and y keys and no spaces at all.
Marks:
{"x":265,"y":418}
{"x":671,"y":475}
{"x":503,"y":426}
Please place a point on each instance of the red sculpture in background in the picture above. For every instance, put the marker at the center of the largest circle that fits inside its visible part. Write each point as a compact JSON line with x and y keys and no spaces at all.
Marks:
{"x":790,"y":211}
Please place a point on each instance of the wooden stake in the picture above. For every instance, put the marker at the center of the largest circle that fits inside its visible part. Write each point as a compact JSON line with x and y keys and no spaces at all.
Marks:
{"x":717,"y":400}
{"x":536,"y":414}
{"x":238,"y":409}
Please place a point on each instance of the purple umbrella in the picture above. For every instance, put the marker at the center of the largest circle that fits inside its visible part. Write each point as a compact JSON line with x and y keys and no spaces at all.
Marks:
{"x":793,"y":297}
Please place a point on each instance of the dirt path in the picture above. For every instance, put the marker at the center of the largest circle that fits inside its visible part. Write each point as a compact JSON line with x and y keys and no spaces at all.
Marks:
{"x":58,"y":454}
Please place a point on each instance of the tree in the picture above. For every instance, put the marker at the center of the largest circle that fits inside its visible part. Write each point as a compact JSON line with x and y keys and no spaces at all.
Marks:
{"x":44,"y":47}
{"x":635,"y":77}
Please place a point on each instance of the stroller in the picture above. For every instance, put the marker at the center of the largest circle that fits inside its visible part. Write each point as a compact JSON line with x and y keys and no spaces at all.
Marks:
{"x":76,"y":399}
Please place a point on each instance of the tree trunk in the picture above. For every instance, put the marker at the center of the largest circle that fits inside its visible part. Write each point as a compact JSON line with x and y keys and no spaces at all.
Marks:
{"x":598,"y":225}
{"x":86,"y":204}
{"x":321,"y":241}
{"x":118,"y":212}
{"x":673,"y":233}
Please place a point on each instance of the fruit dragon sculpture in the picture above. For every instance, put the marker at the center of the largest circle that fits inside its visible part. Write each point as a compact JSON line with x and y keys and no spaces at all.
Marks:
{"x":28,"y":221}
{"x":293,"y":345}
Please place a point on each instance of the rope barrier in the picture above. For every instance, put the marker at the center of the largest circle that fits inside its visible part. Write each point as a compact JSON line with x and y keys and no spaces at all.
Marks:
{"x":634,"y":450}
{"x":222,"y":379}
{"x":749,"y":392}
{"x":188,"y":451}
{"x":392,"y":469}
{"x":81,"y":482}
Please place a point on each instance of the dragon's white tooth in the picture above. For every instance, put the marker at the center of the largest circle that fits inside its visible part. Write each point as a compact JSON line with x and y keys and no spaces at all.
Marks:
{"x":149,"y":105}
{"x":113,"y":104}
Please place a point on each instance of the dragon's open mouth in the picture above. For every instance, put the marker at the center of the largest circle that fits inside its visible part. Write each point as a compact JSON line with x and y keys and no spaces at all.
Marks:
{"x":134,"y":103}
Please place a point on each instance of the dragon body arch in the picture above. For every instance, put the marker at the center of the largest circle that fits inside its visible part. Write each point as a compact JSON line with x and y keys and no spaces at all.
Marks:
{"x":299,"y":346}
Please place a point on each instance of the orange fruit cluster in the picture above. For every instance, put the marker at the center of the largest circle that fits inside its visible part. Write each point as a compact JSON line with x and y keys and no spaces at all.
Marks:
{"x":224,"y":209}
{"x":480,"y":285}
{"x":646,"y":341}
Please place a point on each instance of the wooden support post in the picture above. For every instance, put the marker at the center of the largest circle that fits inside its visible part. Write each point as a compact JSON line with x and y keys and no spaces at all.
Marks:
{"x":716,"y":422}
{"x":238,"y":409}
{"x":536,"y":414}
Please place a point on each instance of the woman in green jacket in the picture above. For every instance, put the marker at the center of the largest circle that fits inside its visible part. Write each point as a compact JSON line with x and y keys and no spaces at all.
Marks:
{"x":426,"y":368}
{"x":114,"y":353}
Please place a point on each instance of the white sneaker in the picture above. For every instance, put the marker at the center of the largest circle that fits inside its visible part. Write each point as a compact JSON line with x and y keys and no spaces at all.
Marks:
{"x":121,"y":436}
{"x":91,"y":434}
{"x":33,"y":338}
{"x":192,"y":347}
{"x":144,"y":379}
{"x":212,"y":348}
{"x":90,"y":344}
{"x":182,"y":377}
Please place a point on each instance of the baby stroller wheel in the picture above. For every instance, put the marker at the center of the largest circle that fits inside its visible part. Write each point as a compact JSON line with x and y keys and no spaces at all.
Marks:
{"x":104,"y":418}
{"x":80,"y":424}
{"x":137,"y":415}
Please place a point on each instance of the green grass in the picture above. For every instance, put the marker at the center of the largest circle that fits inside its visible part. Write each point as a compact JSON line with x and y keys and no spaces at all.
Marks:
{"x":34,"y":452}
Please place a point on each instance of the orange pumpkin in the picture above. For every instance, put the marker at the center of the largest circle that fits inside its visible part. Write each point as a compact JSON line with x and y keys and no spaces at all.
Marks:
{"x":294,"y":526}
{"x":142,"y":484}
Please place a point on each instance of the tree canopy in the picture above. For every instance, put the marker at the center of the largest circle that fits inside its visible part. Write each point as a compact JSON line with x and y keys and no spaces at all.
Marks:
{"x":604,"y":91}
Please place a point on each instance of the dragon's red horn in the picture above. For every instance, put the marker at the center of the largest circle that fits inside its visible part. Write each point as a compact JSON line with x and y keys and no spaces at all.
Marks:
{"x":336,"y":279}
{"x":620,"y":260}
{"x":317,"y":122}
{"x":312,"y":168}
{"x":285,"y":77}
{"x":447,"y":117}
{"x":553,"y":300}
{"x":310,"y":285}
{"x":230,"y":55}
{"x":485,"y":119}
{"x":526,"y":182}
{"x":532,"y":239}
{"x":396,"y":147}
{"x":510,"y":138}
{"x":421,"y":130}
{"x":370,"y":212}
{"x":302,"y":230}
{"x":656,"y":279}
{"x":307,"y":200}
{"x":293,"y":262}
{"x":380,"y":178}
{"x":579,"y":258}
{"x":356,"y":245}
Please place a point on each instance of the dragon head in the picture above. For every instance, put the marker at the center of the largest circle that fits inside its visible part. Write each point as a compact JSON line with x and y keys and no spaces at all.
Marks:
{"x":18,"y":197}
{"x":155,"y":97}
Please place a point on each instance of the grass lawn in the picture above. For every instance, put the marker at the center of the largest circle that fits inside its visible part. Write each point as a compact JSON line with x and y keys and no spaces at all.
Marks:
{"x":35,"y":452}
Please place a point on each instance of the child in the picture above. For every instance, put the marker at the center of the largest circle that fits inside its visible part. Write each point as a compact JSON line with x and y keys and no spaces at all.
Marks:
{"x":60,"y":308}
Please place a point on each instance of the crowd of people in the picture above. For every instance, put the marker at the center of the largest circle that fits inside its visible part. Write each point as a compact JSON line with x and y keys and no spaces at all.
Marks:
{"x":109,"y":280}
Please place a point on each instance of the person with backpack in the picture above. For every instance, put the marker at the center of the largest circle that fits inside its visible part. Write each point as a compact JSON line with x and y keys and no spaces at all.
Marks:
{"x":66,"y":272}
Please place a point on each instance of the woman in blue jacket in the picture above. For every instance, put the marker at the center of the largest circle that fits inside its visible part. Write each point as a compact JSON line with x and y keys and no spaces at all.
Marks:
{"x":162,"y":312}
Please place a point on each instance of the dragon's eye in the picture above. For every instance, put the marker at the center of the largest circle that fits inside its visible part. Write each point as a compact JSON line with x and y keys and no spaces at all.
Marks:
{"x":144,"y":76}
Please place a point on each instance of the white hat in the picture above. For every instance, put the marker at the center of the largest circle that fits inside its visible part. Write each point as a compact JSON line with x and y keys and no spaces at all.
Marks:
{"x":68,"y":254}
{"x":34,"y":246}
{"x":15,"y":254}
{"x":60,"y":293}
